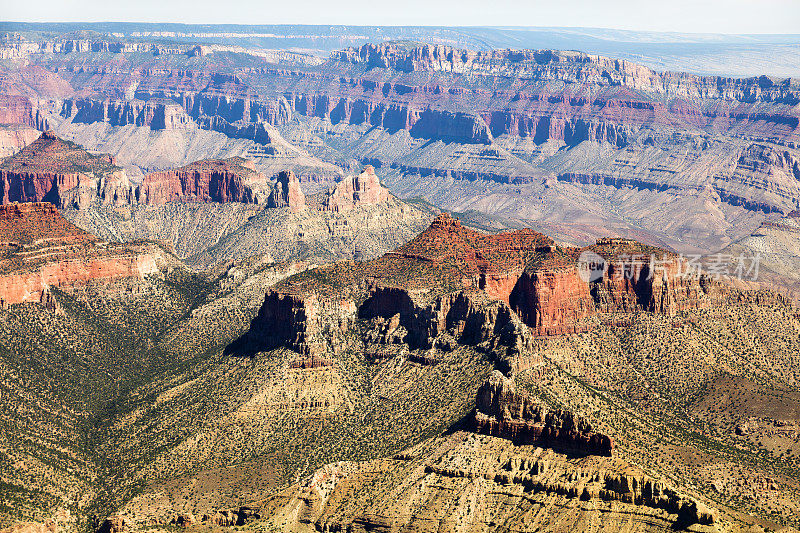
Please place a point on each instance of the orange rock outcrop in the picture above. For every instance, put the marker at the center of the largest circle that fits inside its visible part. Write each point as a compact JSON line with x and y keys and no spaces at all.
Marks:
{"x":210,"y":180}
{"x":353,"y":191}
{"x":39,"y":250}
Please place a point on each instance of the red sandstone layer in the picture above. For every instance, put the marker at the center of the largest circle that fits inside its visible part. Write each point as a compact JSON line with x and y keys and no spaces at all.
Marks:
{"x":40,"y":250}
{"x":211,"y":180}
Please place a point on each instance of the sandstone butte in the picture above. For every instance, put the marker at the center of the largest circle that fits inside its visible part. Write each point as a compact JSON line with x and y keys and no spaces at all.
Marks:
{"x":210,"y":180}
{"x":62,"y":173}
{"x":39,"y":249}
{"x":453,"y":281}
{"x":51,"y":169}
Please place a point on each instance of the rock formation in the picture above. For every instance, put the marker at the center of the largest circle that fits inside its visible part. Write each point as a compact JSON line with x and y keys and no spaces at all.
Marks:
{"x":50,"y":169}
{"x":212,"y":180}
{"x":287,"y":192}
{"x":354,"y":191}
{"x":42,"y":250}
{"x":502,"y":412}
{"x":157,"y":114}
{"x":451,"y":282}
{"x":472,"y":482}
{"x":446,"y":120}
{"x":16,"y":137}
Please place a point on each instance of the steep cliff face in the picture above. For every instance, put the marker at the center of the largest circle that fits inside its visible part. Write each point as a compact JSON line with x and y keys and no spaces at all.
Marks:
{"x":156,"y":114}
{"x":596,"y":98}
{"x":637,"y":278}
{"x":287,"y":192}
{"x":16,"y":137}
{"x":18,"y":109}
{"x":553,"y":300}
{"x":286,"y":320}
{"x":42,"y":250}
{"x":50,"y":169}
{"x":355,"y":191}
{"x":466,"y":317}
{"x":502,"y":412}
{"x":439,"y":122}
{"x":455,"y":285}
{"x":228,"y":180}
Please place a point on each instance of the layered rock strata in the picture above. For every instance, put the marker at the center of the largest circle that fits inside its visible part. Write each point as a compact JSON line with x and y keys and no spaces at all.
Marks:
{"x":354,"y":191}
{"x":474,"y":482}
{"x":40,"y":250}
{"x":215,"y":180}
{"x":53,"y":170}
{"x":502,"y":412}
{"x":455,"y":285}
{"x":16,"y":137}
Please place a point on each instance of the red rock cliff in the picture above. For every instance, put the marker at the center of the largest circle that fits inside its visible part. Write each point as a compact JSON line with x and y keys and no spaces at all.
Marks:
{"x":210,"y":180}
{"x":43,"y":250}
{"x":54,"y":170}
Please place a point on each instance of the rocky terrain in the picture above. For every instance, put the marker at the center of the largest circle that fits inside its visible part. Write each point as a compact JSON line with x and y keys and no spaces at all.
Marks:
{"x":213,"y":211}
{"x":51,"y":169}
{"x":356,"y":218}
{"x":15,"y":137}
{"x":45,"y":252}
{"x":222,"y":181}
{"x":776,"y":245}
{"x":451,"y":283}
{"x":238,"y":318}
{"x":576,"y":144}
{"x":219,"y":402}
{"x":469,"y":482}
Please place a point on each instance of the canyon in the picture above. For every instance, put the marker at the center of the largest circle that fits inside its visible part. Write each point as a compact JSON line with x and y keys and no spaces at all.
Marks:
{"x":574,"y":144}
{"x":391,"y":285}
{"x":212,"y":211}
{"x":483,"y":480}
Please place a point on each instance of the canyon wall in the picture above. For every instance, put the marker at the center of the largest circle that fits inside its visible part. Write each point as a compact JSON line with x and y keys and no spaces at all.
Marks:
{"x":42,"y":250}
{"x":203,"y":181}
{"x":452,"y":285}
{"x":502,"y":412}
{"x":50,"y":169}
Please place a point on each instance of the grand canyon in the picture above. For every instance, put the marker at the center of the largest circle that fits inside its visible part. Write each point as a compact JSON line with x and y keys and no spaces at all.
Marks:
{"x":306,"y":278}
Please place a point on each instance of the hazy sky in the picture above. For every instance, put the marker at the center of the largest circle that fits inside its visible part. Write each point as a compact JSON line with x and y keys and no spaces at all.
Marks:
{"x":715,"y":16}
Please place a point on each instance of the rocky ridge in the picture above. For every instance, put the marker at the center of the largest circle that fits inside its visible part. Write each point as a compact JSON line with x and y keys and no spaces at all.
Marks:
{"x":50,"y":169}
{"x":454,"y":283}
{"x":354,"y":191}
{"x":287,"y":192}
{"x":470,"y":482}
{"x":40,"y":250}
{"x":222,"y":181}
{"x":14,"y":138}
{"x":526,"y":134}
{"x":502,"y":412}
